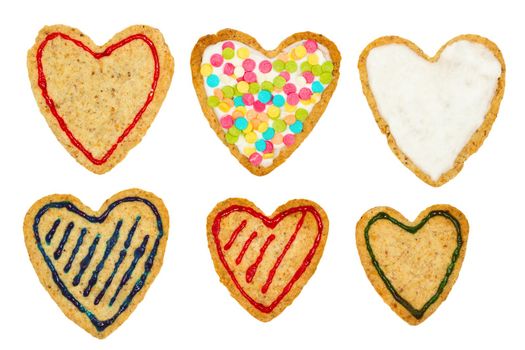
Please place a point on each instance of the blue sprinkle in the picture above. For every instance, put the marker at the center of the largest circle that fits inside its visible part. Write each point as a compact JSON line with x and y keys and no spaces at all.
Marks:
{"x":260,"y":145}
{"x":278,"y":101}
{"x":212,"y":80}
{"x":264,"y":96}
{"x":237,"y":101}
{"x":241,"y":123}
{"x":269,"y":134}
{"x":296,"y":127}
{"x":317,"y":86}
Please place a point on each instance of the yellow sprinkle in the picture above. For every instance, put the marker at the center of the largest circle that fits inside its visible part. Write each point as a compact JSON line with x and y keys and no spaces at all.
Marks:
{"x":313,"y":59}
{"x":267,"y":155}
{"x":307,"y":102}
{"x":251,"y":137}
{"x":274,"y":112}
{"x":289,"y":108}
{"x":249,"y":150}
{"x":206,"y":69}
{"x":300,"y":51}
{"x":243,"y":53}
{"x":223,"y":106}
{"x":241,"y":109}
{"x":243,"y":87}
{"x":248,"y":129}
{"x":262,"y":127}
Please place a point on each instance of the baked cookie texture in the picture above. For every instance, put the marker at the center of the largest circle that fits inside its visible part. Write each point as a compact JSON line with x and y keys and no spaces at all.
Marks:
{"x":433,"y":122}
{"x":412,"y":265}
{"x":97,"y":265}
{"x":266,"y":261}
{"x":262,"y":103}
{"x":99,"y":101}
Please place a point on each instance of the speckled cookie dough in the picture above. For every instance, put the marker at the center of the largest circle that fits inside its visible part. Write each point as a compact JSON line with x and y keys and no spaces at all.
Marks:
{"x":97,"y":265}
{"x":412,"y":265}
{"x":99,"y":101}
{"x":266,"y":261}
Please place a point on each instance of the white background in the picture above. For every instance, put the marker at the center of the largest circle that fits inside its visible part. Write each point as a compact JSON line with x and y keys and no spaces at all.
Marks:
{"x":345,"y":165}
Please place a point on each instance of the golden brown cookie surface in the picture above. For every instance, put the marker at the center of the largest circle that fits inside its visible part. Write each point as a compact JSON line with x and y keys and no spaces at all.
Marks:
{"x":265,"y":261}
{"x":435,"y":111}
{"x":412,"y":265}
{"x":97,"y":265}
{"x":99,"y":100}
{"x":263,"y":103}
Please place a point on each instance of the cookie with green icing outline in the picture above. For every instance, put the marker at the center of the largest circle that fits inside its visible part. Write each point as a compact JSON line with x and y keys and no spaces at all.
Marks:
{"x":412,"y":265}
{"x":241,"y":145}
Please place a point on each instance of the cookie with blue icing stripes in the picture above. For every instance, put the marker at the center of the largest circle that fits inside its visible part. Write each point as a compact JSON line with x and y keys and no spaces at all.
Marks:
{"x":97,"y":265}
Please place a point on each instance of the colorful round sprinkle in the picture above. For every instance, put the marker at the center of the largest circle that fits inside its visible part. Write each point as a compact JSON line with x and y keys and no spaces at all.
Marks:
{"x":255,"y":159}
{"x":212,"y":80}
{"x":265,"y":66}
{"x":296,"y":127}
{"x":216,"y":60}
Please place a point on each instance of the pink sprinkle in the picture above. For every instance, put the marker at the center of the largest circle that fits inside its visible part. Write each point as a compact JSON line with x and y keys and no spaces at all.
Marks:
{"x":227,"y":121}
{"x":216,"y":60}
{"x":269,"y":147}
{"x":285,"y":75}
{"x":259,"y":106}
{"x":247,"y":99}
{"x":289,"y":139}
{"x":289,"y":88}
{"x":305,"y":93}
{"x":308,"y":76}
{"x":228,"y":69}
{"x":250,"y":77}
{"x":255,"y":158}
{"x":265,"y":66}
{"x":228,"y":44}
{"x":310,"y":46}
{"x":292,"y":99}
{"x":248,"y":65}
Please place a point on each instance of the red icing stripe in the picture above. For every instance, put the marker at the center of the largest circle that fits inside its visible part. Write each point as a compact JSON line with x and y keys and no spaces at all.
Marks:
{"x":270,"y":223}
{"x":42,"y":83}
{"x":252,"y":270}
{"x":238,"y":260}
{"x":234,"y":235}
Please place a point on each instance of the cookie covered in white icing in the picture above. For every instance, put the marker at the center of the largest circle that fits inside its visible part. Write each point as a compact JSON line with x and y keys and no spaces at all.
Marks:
{"x":436,"y":111}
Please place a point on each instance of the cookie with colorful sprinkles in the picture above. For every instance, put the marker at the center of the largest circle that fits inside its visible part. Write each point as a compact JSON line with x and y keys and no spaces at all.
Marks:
{"x":263,"y":104}
{"x":99,"y":101}
{"x":265,"y":261}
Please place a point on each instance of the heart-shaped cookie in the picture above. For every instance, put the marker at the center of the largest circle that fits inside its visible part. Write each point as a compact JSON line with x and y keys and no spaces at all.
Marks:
{"x":97,"y":266}
{"x":412,"y":265}
{"x":265,"y":261}
{"x":262,"y":104}
{"x":435,"y":111}
{"x":99,"y":100}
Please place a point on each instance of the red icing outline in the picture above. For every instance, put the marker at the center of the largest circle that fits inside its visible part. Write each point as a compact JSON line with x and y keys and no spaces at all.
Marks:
{"x":270,"y":223}
{"x":42,"y":83}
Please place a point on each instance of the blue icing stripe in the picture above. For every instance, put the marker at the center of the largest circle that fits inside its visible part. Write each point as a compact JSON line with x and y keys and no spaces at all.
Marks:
{"x":100,"y":325}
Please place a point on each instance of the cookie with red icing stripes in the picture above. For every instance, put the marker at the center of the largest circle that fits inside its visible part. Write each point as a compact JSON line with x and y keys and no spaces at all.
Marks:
{"x":263,"y":104}
{"x":99,"y":100}
{"x":265,"y":261}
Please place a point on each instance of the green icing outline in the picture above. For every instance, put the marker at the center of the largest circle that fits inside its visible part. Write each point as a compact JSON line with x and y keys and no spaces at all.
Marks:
{"x":418,"y":314}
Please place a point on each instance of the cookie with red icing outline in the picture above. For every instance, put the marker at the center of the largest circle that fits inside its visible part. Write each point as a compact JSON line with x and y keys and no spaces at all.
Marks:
{"x":99,"y":100}
{"x":261,"y":103}
{"x":265,"y":261}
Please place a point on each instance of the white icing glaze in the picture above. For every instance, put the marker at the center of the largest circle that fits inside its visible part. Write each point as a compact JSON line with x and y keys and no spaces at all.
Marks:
{"x":433,"y":109}
{"x":323,"y":54}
